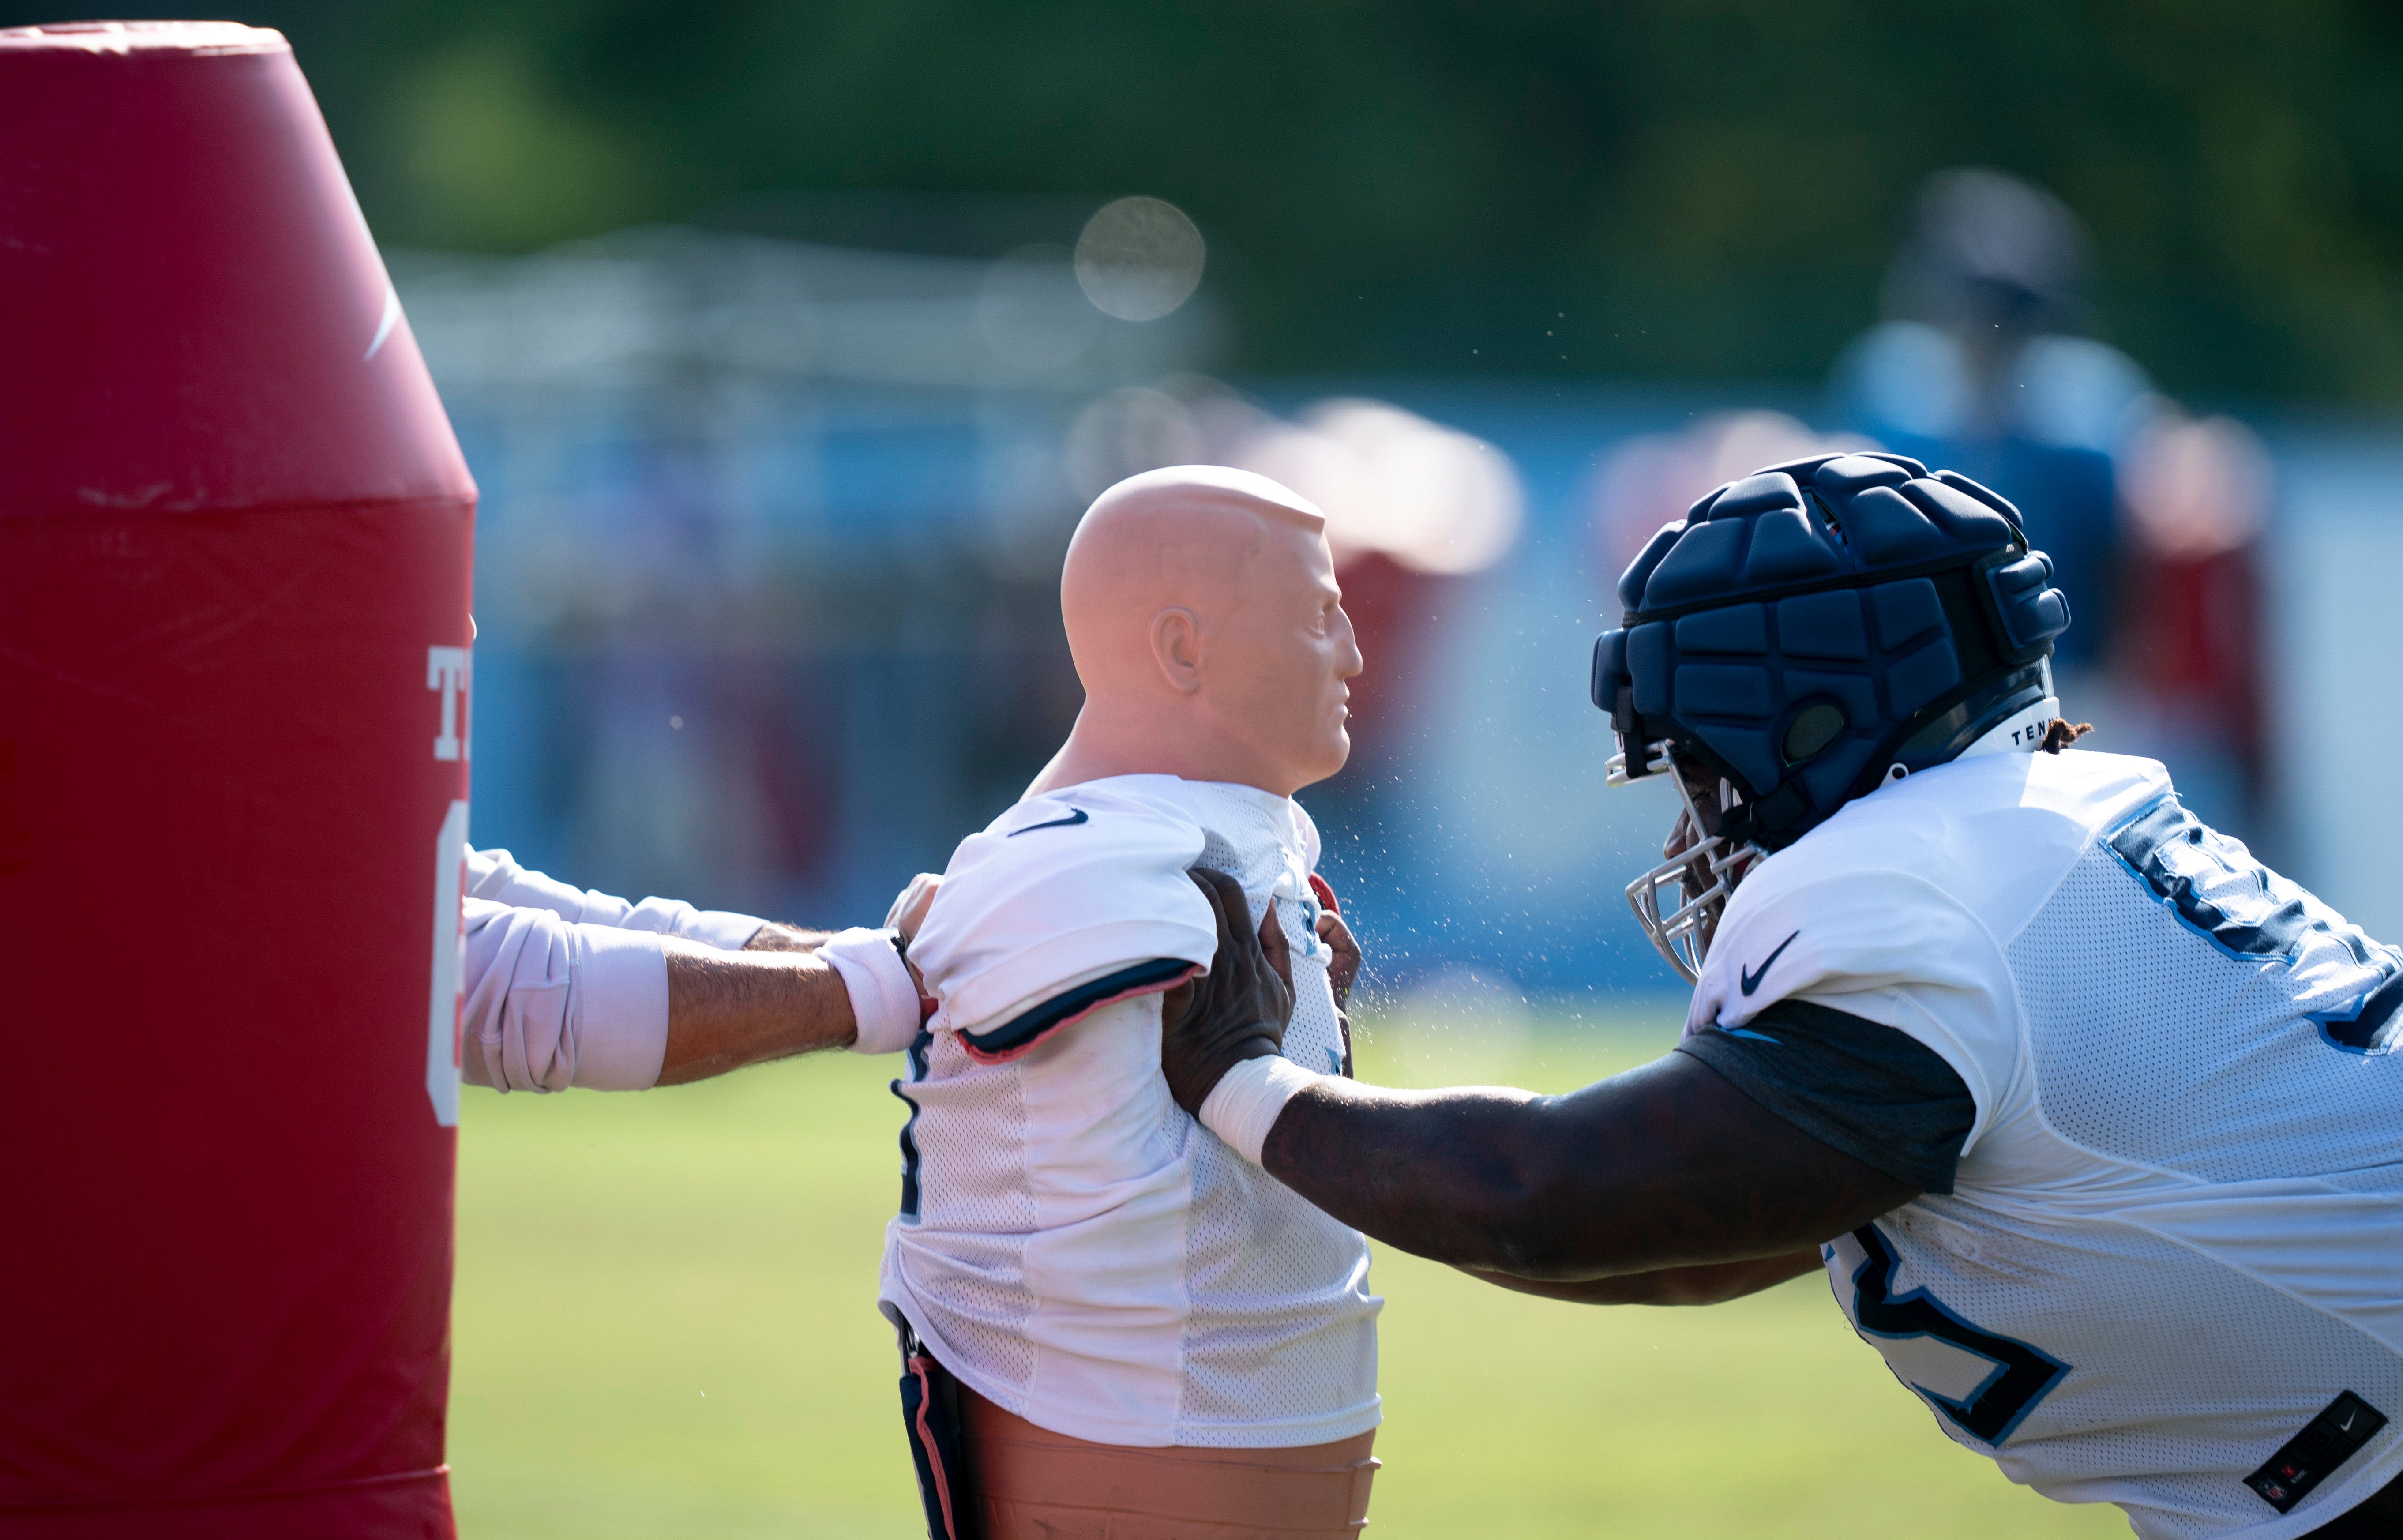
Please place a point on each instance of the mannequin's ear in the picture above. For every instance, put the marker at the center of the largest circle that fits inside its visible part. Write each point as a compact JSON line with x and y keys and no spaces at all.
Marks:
{"x":1177,"y":647}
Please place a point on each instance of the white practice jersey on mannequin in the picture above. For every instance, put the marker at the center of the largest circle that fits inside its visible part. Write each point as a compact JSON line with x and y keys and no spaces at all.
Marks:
{"x":1072,"y":1245}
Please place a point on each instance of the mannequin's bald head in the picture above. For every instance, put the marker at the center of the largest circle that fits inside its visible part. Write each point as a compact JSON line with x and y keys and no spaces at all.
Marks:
{"x":1208,"y":632}
{"x":1187,"y":536}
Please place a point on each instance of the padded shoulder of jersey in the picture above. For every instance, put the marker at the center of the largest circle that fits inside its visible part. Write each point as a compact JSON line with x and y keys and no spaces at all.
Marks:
{"x":1996,"y":834}
{"x":1883,"y":945}
{"x":1062,"y":891}
{"x":1900,"y":908}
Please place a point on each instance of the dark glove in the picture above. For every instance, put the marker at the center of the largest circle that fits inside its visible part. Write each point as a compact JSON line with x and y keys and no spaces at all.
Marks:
{"x":1236,"y":1011}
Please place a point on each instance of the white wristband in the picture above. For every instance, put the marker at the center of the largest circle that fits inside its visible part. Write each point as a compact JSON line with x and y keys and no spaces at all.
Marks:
{"x":1243,"y":1106}
{"x":883,"y":996}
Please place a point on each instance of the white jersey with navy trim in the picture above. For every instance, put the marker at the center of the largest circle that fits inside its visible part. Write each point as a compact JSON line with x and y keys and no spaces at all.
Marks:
{"x":1071,"y":1245}
{"x":2176,"y":1237}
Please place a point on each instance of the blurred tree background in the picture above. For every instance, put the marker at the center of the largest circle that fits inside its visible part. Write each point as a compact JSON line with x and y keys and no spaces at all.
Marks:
{"x":1684,"y":189}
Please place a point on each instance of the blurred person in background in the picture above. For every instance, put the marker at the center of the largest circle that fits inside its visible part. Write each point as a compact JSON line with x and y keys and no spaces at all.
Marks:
{"x":1987,"y":362}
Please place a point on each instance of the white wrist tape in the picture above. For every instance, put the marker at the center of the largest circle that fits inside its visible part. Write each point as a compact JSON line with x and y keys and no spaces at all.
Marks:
{"x":1243,"y":1106}
{"x":883,"y":996}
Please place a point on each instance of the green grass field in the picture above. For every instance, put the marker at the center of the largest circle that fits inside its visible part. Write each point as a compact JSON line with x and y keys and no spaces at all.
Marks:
{"x":666,"y":1326}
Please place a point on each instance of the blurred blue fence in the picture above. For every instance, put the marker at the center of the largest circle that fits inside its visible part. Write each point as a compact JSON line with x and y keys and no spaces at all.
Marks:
{"x":766,"y":567}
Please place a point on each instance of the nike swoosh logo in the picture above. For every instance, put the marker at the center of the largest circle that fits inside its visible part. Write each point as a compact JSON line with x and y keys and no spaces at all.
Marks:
{"x":2348,"y":1422}
{"x":1074,"y":818}
{"x":1751,"y":980}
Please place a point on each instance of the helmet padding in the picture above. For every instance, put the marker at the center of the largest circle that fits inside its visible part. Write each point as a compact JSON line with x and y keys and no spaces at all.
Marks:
{"x":1806,"y":629}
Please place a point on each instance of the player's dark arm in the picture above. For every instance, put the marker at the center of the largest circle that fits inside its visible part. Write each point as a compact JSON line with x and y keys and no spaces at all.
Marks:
{"x":1665,"y":1167}
{"x":1668,"y":1166}
{"x":1713,"y":1284}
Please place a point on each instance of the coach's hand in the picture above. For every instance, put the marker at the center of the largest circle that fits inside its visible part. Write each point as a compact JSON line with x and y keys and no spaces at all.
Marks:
{"x":909,"y":910}
{"x":1236,"y":1011}
{"x":907,"y":915}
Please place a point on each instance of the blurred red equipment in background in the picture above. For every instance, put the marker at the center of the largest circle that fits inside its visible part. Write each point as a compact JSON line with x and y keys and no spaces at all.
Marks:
{"x":234,"y":548}
{"x":2194,"y":500}
{"x":1394,"y":613}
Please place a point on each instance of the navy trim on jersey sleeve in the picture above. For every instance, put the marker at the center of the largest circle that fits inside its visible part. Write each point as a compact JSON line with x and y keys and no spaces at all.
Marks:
{"x":1023,"y":1032}
{"x":1878,"y":1095}
{"x":909,"y":1159}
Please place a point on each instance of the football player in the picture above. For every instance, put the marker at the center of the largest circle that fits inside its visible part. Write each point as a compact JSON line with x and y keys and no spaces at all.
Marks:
{"x":2092,"y":1120}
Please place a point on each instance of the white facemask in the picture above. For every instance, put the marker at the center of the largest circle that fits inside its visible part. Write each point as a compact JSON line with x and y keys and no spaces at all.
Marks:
{"x":1678,"y":902}
{"x":1697,"y":875}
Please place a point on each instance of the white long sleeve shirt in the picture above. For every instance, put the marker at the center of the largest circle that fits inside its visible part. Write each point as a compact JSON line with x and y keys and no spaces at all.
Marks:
{"x":565,"y":986}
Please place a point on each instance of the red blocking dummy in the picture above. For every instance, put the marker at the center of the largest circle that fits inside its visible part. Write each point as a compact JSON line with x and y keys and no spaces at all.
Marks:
{"x":234,"y":533}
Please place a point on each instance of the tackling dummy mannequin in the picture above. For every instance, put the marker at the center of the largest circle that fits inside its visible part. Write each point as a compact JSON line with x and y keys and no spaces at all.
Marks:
{"x":1112,"y":1324}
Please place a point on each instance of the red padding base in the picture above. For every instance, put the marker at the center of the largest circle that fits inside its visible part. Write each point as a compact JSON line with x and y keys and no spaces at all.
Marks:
{"x":415,"y":1507}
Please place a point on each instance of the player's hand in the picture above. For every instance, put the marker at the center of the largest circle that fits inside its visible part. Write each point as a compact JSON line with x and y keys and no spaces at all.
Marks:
{"x":1344,"y":966}
{"x":1342,"y":969}
{"x":1236,"y":1011}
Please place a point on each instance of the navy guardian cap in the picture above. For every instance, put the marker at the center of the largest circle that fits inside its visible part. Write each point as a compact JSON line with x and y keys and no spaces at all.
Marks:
{"x":1805,"y":634}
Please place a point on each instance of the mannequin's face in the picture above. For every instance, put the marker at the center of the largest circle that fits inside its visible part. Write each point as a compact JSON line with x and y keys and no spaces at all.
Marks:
{"x":1273,"y":668}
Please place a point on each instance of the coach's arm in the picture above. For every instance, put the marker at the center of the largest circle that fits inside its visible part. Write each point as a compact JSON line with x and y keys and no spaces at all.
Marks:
{"x":561,"y":987}
{"x":1664,"y":1184}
